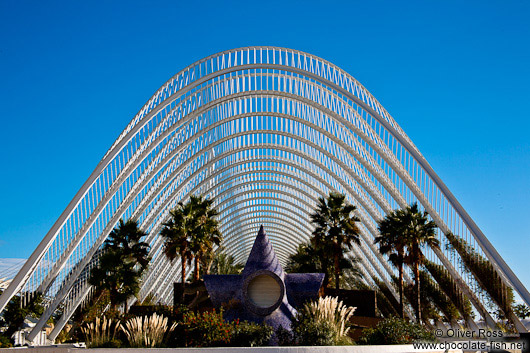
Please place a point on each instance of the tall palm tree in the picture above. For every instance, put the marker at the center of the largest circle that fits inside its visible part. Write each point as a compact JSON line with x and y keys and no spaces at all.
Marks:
{"x":191,"y":232}
{"x":205,"y":234}
{"x":176,"y":233}
{"x":336,"y":230}
{"x":392,"y":243}
{"x":418,"y":232}
{"x":122,"y":262}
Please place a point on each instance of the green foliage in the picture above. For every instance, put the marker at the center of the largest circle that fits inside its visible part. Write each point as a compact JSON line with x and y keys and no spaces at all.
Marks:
{"x":450,"y":288}
{"x":395,"y":331}
{"x":308,"y":260}
{"x":15,"y":313}
{"x":335,"y":233}
{"x":206,"y":329}
{"x":321,"y":323}
{"x":5,"y":341}
{"x":164,"y":310}
{"x":389,"y":306}
{"x":176,"y":237}
{"x":191,"y":233}
{"x":431,"y":292}
{"x":205,"y":234}
{"x":179,"y":328}
{"x":249,"y":334}
{"x":97,"y":307}
{"x":284,"y":337}
{"x":224,"y":264}
{"x":522,"y":311}
{"x":428,"y":308}
{"x":485,"y":274}
{"x":403,"y":234}
{"x":309,"y":332}
{"x":385,"y":308}
{"x":123,"y":260}
{"x":392,"y":243}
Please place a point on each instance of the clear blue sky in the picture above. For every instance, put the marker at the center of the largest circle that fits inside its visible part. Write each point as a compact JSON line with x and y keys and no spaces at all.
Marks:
{"x":454,"y":74}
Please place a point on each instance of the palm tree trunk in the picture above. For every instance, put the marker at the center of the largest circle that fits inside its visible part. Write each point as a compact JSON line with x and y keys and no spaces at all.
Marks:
{"x":326,"y":280}
{"x":183,"y":264}
{"x":324,"y":269}
{"x":337,"y":268}
{"x":418,"y":297}
{"x":401,"y":285}
{"x":197,"y":263}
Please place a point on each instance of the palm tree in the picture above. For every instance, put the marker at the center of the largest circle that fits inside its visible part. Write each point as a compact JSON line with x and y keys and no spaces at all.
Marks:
{"x":206,"y":232}
{"x":224,"y":264}
{"x":176,"y":233}
{"x":122,"y":262}
{"x":336,"y":230}
{"x":418,"y":232}
{"x":392,"y":243}
{"x":190,"y":233}
{"x":305,"y":260}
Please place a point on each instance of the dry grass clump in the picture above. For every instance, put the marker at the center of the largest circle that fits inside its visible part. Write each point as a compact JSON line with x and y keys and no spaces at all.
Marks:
{"x":333,"y":311}
{"x":101,"y":332}
{"x":147,"y":331}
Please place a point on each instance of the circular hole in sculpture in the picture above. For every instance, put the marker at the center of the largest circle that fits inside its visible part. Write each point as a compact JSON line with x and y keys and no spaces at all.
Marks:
{"x":264,"y":291}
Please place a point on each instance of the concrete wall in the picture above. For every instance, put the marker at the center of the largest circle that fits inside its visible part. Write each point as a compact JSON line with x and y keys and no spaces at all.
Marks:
{"x":334,"y":349}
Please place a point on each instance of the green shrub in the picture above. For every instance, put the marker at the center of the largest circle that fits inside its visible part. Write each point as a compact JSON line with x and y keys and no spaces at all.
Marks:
{"x":284,"y":337}
{"x":113,"y":343}
{"x":250,"y":334}
{"x":395,"y":331}
{"x":321,"y":323}
{"x":206,"y":329}
{"x":5,"y":342}
{"x":310,"y":332}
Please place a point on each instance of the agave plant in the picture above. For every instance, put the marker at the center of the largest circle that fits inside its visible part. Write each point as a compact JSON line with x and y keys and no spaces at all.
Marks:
{"x":147,"y":331}
{"x":101,"y":332}
{"x":333,"y":311}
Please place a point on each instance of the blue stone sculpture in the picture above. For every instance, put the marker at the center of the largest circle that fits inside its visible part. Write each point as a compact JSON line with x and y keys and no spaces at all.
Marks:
{"x":263,"y":293}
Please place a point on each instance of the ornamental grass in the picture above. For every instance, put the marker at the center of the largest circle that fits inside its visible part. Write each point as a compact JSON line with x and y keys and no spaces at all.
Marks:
{"x":333,"y":311}
{"x":147,"y":331}
{"x":101,"y":333}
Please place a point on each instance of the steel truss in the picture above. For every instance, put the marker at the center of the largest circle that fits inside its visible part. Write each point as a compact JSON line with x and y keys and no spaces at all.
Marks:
{"x":264,"y":131}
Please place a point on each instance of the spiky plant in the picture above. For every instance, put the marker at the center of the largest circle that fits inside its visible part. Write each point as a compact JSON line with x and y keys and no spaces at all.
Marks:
{"x":333,"y":311}
{"x":147,"y":331}
{"x":100,"y":332}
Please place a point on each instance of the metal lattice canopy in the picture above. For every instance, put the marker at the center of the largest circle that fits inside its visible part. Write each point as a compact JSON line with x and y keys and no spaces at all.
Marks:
{"x":263,"y":131}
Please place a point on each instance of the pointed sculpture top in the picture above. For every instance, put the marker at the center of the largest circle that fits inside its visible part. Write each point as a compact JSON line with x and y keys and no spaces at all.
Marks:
{"x":262,"y":256}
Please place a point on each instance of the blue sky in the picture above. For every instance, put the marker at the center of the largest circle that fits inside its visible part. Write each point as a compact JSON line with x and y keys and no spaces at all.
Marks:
{"x":455,"y":76}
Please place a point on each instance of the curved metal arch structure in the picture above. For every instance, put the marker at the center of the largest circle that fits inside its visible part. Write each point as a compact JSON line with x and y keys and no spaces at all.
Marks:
{"x":264,"y":131}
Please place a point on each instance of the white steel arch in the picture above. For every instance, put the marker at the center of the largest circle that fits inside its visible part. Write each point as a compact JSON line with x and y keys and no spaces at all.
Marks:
{"x":290,"y":123}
